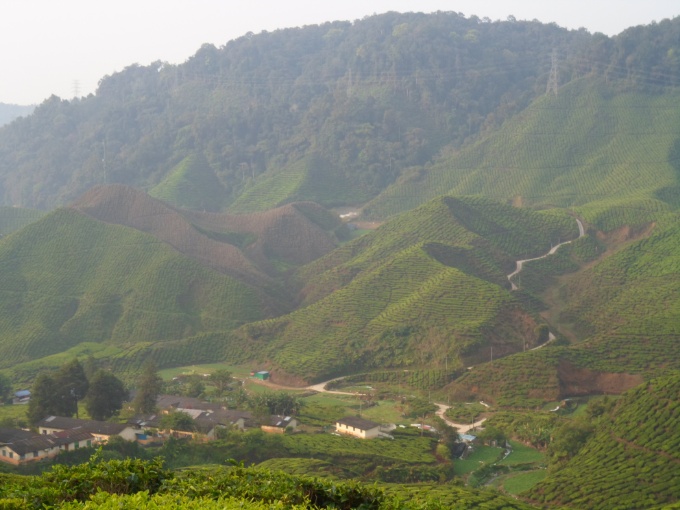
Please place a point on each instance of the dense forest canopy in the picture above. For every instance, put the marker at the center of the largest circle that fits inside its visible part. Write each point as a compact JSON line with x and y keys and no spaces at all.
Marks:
{"x":356,"y":104}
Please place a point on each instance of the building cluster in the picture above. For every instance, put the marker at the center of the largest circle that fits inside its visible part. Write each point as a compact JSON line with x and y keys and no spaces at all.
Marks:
{"x":56,"y":434}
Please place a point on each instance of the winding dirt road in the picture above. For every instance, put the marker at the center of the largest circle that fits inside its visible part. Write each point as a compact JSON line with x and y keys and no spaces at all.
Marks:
{"x":463,"y":428}
{"x":520,"y":263}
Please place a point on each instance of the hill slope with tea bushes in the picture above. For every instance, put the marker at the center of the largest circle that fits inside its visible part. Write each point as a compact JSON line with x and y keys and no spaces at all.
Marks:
{"x":339,"y":112}
{"x":438,"y":128}
{"x":427,"y":285}
{"x":14,"y":218}
{"x":630,"y":461}
{"x":624,"y":308}
{"x":147,"y":485}
{"x":331,"y":113}
{"x":68,"y":279}
{"x":613,"y":156}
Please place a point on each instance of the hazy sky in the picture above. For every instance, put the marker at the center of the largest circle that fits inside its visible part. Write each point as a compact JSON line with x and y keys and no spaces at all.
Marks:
{"x":48,"y":45}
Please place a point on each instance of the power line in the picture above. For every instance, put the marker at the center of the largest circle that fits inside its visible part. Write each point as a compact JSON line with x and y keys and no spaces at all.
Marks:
{"x":552,"y":79}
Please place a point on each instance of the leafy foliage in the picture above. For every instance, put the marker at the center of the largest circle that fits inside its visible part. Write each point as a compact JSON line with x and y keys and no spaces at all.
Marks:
{"x":105,"y":395}
{"x":341,"y":106}
{"x":78,"y":483}
{"x":629,"y":459}
{"x":177,"y":420}
{"x":149,"y":385}
{"x":277,"y":403}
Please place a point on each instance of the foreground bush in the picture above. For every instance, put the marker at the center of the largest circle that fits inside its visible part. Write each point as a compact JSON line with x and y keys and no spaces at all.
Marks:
{"x":146,"y":485}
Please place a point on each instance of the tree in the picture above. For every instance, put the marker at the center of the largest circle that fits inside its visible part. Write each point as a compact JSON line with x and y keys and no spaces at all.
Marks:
{"x":220,"y":379}
{"x":149,"y":387}
{"x":491,"y":433}
{"x":569,"y":438}
{"x":278,"y":403}
{"x":105,"y":396}
{"x":5,"y":388}
{"x":178,"y":421}
{"x":195,"y":388}
{"x":70,"y":386}
{"x":41,"y":404}
{"x":90,"y":367}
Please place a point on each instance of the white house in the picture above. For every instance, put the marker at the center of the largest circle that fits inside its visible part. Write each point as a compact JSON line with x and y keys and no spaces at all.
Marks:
{"x":357,"y":427}
{"x":19,"y":447}
{"x":100,"y":430}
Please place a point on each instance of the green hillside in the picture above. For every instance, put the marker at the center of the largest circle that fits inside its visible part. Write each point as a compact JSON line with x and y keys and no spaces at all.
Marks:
{"x":474,"y":234}
{"x":427,"y":286}
{"x":192,"y":184}
{"x":611,"y":155}
{"x":68,"y":279}
{"x":632,"y":459}
{"x":310,"y":179}
{"x":14,"y":218}
{"x":633,"y":292}
{"x":625,"y":312}
{"x":333,"y":112}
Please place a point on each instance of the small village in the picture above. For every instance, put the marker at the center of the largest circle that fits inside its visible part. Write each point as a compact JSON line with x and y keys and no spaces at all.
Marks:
{"x":200,"y":421}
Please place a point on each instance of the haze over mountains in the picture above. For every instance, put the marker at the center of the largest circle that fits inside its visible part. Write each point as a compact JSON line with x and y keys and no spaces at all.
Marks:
{"x":9,"y":112}
{"x":183,"y":213}
{"x":388,"y":112}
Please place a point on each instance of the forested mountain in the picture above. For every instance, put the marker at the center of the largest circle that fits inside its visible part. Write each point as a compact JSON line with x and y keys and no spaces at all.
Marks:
{"x":388,"y":113}
{"x":352,"y":106}
{"x":9,"y":112}
{"x":193,"y":224}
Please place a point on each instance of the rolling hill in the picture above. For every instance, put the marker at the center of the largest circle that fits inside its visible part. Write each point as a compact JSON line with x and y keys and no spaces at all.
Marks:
{"x":68,"y":279}
{"x":124,"y":276}
{"x":632,"y":459}
{"x":244,"y":246}
{"x":192,"y":184}
{"x":332,"y":112}
{"x":385,"y":115}
{"x":622,"y":314}
{"x":14,"y":218}
{"x":611,"y":156}
{"x":426,"y":286}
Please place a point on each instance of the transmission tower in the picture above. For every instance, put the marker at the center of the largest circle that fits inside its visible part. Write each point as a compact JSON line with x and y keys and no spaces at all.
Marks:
{"x":76,"y":89}
{"x":552,"y":79}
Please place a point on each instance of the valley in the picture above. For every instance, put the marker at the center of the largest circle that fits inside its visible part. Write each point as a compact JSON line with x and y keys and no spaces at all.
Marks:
{"x":388,"y":221}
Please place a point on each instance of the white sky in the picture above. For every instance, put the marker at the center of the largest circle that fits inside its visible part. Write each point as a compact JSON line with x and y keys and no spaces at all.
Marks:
{"x":48,"y":45}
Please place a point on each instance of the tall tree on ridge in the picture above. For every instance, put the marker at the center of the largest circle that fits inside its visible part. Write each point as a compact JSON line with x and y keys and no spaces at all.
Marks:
{"x":149,"y":387}
{"x":70,"y":387}
{"x":105,"y":396}
{"x":41,"y":404}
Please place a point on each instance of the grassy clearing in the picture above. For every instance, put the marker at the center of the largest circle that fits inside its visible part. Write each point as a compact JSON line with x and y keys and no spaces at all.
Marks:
{"x":331,"y":399}
{"x":238,"y":371}
{"x":481,"y":455}
{"x":523,"y":481}
{"x":13,"y":415}
{"x":522,"y":454}
{"x":384,"y":412}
